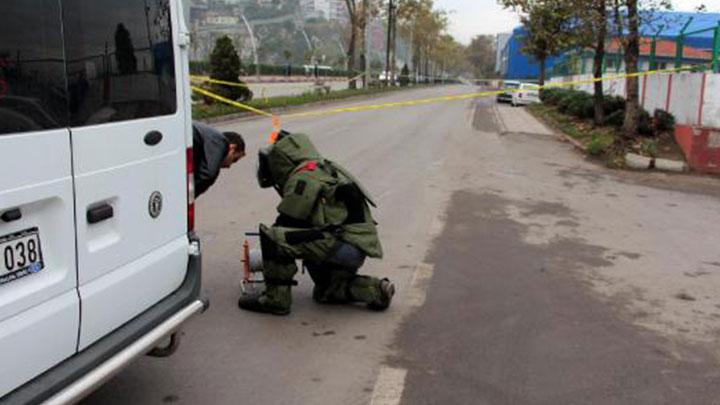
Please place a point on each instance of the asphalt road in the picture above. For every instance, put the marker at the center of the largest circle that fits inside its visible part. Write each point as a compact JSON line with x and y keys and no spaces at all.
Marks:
{"x":525,"y":274}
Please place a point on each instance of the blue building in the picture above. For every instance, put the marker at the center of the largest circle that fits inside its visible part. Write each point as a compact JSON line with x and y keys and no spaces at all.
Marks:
{"x":667,"y":25}
{"x":515,"y":65}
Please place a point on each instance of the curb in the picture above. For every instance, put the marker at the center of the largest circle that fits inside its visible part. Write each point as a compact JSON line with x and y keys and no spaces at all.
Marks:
{"x":573,"y":141}
{"x":248,"y":116}
{"x":635,"y":161}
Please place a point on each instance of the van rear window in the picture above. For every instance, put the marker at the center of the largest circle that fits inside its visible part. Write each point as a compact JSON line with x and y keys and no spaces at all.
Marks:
{"x":33,"y":92}
{"x":120,"y":61}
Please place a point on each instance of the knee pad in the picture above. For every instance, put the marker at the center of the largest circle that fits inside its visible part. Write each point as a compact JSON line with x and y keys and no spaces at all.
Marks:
{"x":268,"y":246}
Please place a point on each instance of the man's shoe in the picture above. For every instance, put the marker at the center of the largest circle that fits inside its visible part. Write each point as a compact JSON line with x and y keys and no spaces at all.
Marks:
{"x":258,"y":303}
{"x":387,"y":290}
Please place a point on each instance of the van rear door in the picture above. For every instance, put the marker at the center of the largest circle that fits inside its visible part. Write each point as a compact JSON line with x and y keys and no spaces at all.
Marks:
{"x":129,"y":141}
{"x":39,"y":305}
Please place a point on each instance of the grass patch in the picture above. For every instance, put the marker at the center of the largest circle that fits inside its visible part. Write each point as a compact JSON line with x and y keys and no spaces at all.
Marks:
{"x":204,"y":111}
{"x":600,"y":142}
{"x":600,"y":137}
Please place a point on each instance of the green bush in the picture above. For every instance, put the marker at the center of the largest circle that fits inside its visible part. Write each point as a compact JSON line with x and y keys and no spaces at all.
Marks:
{"x":598,"y":145}
{"x":571,"y":103}
{"x":649,"y":147}
{"x":225,"y":65}
{"x":645,"y":124}
{"x":201,"y":67}
{"x":405,"y":76}
{"x":663,"y":121}
{"x":615,"y":119}
{"x":581,"y":106}
{"x":612,"y":104}
{"x":552,"y":96}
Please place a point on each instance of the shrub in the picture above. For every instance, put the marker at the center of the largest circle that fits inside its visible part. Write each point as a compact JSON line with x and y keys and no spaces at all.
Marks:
{"x":552,"y":96}
{"x":663,"y":121}
{"x":571,"y":100}
{"x":225,"y":65}
{"x":649,"y":147}
{"x":612,"y":104}
{"x":405,"y":76}
{"x":645,"y":124}
{"x":598,"y":145}
{"x":615,"y":119}
{"x":581,"y":106}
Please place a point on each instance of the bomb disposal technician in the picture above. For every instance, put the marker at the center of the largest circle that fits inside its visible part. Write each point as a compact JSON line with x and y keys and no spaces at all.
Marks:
{"x":325,"y":220}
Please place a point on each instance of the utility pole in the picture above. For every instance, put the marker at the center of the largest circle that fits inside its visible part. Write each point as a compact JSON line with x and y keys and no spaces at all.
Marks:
{"x":366,"y":43}
{"x":388,"y":48}
{"x":393,"y":43}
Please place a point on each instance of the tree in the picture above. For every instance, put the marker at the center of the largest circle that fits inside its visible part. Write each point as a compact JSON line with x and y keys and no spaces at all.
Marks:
{"x":124,"y":51}
{"x":405,"y":76}
{"x":225,"y":66}
{"x":480,"y":55}
{"x":424,"y":28}
{"x":627,"y":19}
{"x":548,"y":27}
{"x":359,"y":12}
{"x":591,"y":30}
{"x":631,"y":45}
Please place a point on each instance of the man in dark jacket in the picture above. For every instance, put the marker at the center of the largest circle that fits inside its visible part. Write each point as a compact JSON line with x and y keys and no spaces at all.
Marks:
{"x":213,"y":150}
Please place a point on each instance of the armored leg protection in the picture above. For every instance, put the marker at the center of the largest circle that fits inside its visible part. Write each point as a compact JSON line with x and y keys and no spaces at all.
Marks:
{"x":278,"y":272}
{"x":336,"y":285}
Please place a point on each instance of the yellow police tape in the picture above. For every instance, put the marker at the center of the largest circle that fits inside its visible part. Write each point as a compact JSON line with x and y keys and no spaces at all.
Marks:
{"x":431,"y":100}
{"x":206,"y":79}
{"x":229,"y":102}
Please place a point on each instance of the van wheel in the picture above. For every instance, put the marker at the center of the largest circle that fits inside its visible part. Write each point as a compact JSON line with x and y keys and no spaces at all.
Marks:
{"x":169,"y":349}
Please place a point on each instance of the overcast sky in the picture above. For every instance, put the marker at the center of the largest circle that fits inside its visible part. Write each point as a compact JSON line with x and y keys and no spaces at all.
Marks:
{"x":472,"y":17}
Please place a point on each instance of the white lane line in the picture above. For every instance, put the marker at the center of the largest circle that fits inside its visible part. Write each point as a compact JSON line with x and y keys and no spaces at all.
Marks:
{"x":389,"y":386}
{"x":419,"y":285}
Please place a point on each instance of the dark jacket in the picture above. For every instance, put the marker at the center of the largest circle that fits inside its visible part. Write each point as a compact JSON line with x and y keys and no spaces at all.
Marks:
{"x":209,"y":150}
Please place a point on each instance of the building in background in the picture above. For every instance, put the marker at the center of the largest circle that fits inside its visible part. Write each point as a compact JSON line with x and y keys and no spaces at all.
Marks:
{"x":501,"y":41}
{"x":332,"y":10}
{"x":515,"y":65}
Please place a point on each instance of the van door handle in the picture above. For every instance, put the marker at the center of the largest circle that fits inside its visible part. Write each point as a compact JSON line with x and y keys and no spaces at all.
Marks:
{"x":11,"y":215}
{"x":99,"y":213}
{"x":153,"y":138}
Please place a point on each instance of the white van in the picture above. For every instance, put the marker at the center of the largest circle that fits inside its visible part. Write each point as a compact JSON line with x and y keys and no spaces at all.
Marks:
{"x":98,"y":260}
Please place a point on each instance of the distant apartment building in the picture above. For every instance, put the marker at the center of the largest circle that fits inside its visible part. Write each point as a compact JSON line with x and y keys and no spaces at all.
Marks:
{"x":501,"y":59}
{"x":333,"y":10}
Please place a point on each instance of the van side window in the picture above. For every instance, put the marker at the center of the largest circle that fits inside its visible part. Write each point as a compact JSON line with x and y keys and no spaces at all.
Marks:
{"x":32,"y":72}
{"x":120,"y":61}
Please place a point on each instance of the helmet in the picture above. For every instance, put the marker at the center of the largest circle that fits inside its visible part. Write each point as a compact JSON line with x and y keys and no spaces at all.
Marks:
{"x":264,"y":175}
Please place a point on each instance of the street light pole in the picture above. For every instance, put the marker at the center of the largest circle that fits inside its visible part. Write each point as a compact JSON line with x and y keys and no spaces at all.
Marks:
{"x":254,"y":45}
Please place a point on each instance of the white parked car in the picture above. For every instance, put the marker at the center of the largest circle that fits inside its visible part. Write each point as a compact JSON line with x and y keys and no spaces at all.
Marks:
{"x":507,"y":96}
{"x":527,"y":93}
{"x":98,"y":260}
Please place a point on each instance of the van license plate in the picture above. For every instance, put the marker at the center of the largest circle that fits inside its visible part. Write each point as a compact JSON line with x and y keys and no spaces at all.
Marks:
{"x":20,"y":255}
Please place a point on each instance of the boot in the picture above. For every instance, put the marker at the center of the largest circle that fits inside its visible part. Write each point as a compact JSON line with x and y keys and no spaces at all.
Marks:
{"x":382,"y":302}
{"x":275,"y":300}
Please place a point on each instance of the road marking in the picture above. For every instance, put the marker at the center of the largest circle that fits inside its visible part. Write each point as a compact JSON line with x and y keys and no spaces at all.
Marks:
{"x":418,"y":286}
{"x":389,"y":386}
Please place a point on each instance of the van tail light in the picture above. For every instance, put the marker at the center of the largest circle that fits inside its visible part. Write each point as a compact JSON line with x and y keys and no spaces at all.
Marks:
{"x":190,"y":190}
